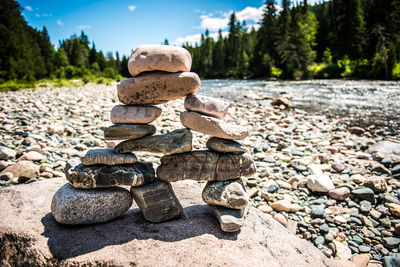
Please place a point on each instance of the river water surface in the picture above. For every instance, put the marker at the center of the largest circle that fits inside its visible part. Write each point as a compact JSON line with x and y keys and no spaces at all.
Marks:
{"x":357,"y":102}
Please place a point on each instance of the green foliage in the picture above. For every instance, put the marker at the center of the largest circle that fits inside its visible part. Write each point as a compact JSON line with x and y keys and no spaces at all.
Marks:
{"x":396,"y":71}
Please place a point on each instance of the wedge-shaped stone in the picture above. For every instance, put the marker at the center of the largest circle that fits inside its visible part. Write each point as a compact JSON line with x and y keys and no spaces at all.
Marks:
{"x":157,"y":87}
{"x":212,"y":126}
{"x":206,"y":105}
{"x":107,"y":156}
{"x":177,"y":141}
{"x":159,"y":57}
{"x":205,"y":165}
{"x":134,"y":114}
{"x":231,"y":220}
{"x":231,"y":194}
{"x":128,"y":131}
{"x":157,"y":201}
{"x":87,"y":206}
{"x":225,"y":145}
{"x":98,"y":176}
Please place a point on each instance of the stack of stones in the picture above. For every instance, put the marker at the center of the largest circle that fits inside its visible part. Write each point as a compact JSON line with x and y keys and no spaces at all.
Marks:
{"x":160,"y":73}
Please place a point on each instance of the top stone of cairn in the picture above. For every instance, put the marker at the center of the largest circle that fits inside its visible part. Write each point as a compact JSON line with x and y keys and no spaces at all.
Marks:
{"x":159,"y":57}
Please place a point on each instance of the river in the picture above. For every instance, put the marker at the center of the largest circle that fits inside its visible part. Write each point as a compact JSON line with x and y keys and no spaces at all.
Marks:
{"x":360,"y":103}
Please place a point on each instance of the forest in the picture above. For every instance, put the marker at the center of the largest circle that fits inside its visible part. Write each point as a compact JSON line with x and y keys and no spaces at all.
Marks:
{"x":333,"y":39}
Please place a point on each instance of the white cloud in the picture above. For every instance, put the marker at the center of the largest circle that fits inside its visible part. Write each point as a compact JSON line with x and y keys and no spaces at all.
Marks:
{"x":195,"y":38}
{"x":132,"y":7}
{"x":59,"y":22}
{"x":47,"y":15}
{"x":212,"y":23}
{"x":83,"y":27}
{"x":29,"y":8}
{"x":37,"y":15}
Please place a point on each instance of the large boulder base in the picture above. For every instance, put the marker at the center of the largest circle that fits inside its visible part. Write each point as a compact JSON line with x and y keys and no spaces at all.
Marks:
{"x":29,"y":236}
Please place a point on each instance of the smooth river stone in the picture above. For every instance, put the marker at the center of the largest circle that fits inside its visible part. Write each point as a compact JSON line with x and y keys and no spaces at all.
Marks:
{"x":128,"y":131}
{"x":205,"y":165}
{"x":87,"y":206}
{"x":230,"y":194}
{"x":106,"y":156}
{"x":212,"y":126}
{"x":157,"y":201}
{"x":157,"y":87}
{"x":177,"y":141}
{"x":159,"y":57}
{"x":98,"y":176}
{"x":231,"y":220}
{"x":134,"y":114}
{"x":206,"y":105}
{"x":225,"y":145}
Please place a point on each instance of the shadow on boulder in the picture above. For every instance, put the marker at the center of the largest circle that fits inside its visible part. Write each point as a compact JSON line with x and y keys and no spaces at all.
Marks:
{"x":69,"y":241}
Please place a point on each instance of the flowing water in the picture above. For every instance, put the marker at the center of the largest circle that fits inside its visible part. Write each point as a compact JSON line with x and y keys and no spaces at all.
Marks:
{"x":360,"y":103}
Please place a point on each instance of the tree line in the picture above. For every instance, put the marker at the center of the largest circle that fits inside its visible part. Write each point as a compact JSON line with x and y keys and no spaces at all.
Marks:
{"x":331,"y":39}
{"x":27,"y":54}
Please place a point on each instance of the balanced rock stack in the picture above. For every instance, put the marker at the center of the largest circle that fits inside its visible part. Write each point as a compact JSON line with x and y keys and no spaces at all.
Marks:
{"x":160,"y":73}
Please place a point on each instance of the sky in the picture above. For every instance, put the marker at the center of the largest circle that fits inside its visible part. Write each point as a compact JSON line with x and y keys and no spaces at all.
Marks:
{"x":122,"y":25}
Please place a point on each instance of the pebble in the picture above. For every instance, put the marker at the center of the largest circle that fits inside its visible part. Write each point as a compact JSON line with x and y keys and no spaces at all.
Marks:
{"x":319,"y":183}
{"x":365,"y":194}
{"x":281,"y":219}
{"x":339,"y":193}
{"x":6,"y":153}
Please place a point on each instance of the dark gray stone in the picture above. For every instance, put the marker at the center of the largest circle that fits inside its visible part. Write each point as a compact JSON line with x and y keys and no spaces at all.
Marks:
{"x":205,"y":165}
{"x":128,"y":131}
{"x":107,"y":156}
{"x":177,"y":141}
{"x":365,"y":194}
{"x":231,"y":220}
{"x":157,"y":201}
{"x":391,"y":261}
{"x":391,"y":242}
{"x":97,"y":176}
{"x":231,"y":194}
{"x":225,"y":145}
{"x":318,"y":211}
{"x":87,"y":206}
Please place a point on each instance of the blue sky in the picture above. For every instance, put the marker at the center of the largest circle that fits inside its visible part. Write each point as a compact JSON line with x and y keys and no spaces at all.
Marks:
{"x":121,"y":25}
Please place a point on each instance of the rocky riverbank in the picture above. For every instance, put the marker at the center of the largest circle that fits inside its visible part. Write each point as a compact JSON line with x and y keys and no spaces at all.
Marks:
{"x":333,"y":185}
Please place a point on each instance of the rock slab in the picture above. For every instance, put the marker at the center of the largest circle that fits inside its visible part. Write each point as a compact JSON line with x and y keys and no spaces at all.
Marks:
{"x":231,"y":194}
{"x":231,"y":220}
{"x":128,"y":131}
{"x":212,"y":126}
{"x":106,"y":156}
{"x":29,"y":236}
{"x":157,"y":201}
{"x":88,"y":206}
{"x":99,"y":176}
{"x":205,"y":165}
{"x":206,"y":105}
{"x":177,"y":141}
{"x":157,"y":87}
{"x":122,"y":114}
{"x":225,"y":145}
{"x":159,"y":57}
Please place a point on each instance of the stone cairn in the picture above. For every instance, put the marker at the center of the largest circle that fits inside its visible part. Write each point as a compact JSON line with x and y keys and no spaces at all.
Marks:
{"x":160,"y":73}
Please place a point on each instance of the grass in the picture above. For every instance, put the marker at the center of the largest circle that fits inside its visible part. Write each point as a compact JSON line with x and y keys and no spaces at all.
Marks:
{"x":13,"y":85}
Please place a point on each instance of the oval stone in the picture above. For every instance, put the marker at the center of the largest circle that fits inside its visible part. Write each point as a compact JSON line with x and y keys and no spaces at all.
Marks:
{"x":134,"y":114}
{"x":159,"y":57}
{"x":128,"y":131}
{"x":157,"y":87}
{"x":87,"y":206}
{"x":207,"y":105}
{"x":212,"y":126}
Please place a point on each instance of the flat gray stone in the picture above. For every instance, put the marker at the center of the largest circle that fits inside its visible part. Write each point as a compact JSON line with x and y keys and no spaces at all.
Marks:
{"x":157,"y":87}
{"x":87,"y":206}
{"x":225,"y":145}
{"x":206,"y":105}
{"x":98,"y":176}
{"x":231,"y":194}
{"x":134,"y":114}
{"x":231,"y":220}
{"x":212,"y":126}
{"x":205,"y":165}
{"x":177,"y":141}
{"x":157,"y":201}
{"x":128,"y":131}
{"x":159,"y":57}
{"x":106,"y":156}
